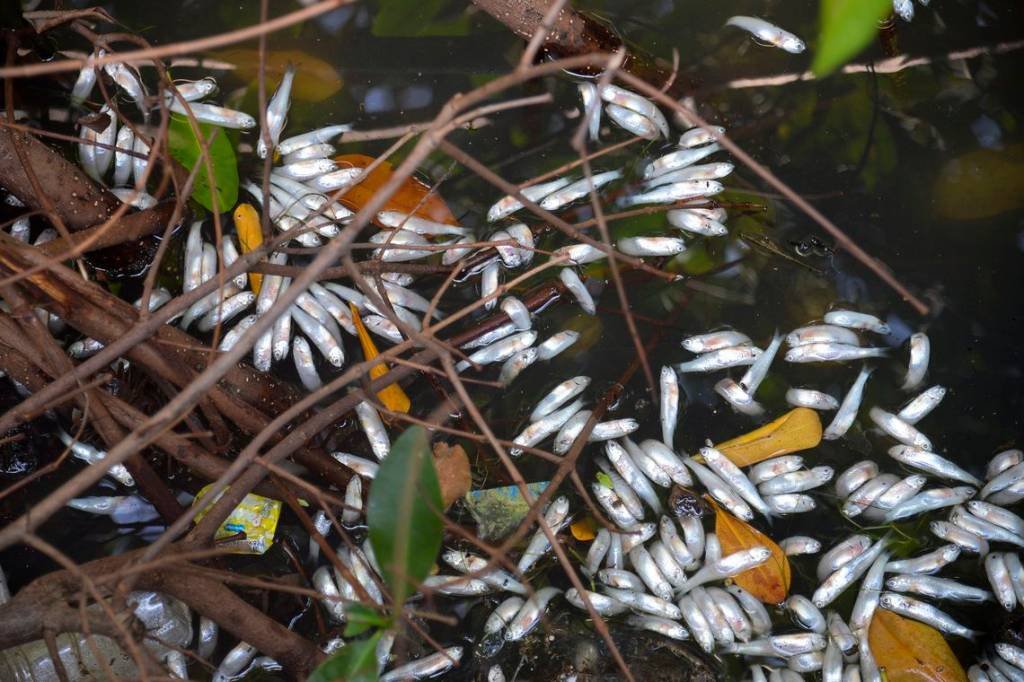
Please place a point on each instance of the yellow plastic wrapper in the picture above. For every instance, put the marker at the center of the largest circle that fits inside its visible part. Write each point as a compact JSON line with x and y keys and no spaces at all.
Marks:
{"x":256,"y":516}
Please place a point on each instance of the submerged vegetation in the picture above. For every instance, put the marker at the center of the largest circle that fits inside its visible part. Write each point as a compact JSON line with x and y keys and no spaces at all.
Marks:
{"x":642,"y":351}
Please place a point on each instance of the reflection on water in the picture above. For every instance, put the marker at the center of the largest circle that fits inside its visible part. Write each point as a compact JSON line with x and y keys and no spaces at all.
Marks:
{"x":923,"y":168}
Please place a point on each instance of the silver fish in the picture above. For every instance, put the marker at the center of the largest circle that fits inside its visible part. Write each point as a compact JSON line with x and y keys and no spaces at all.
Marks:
{"x":373,"y":427}
{"x":925,"y":564}
{"x":1001,"y":462}
{"x":661,"y":626}
{"x":790,"y":503}
{"x":930,"y":500}
{"x":897,"y":494}
{"x":125,"y":143}
{"x":542,"y":428}
{"x":667,"y":194}
{"x":867,"y":596}
{"x":633,"y":122}
{"x":578,"y":290}
{"x":456,"y":585}
{"x":937,"y":588}
{"x":514,"y":366}
{"x":727,"y":566}
{"x":591,"y":108}
{"x":822,"y":333}
{"x":806,"y":397}
{"x":855,"y":320}
{"x":854,"y":477}
{"x":734,"y":476}
{"x":962,"y":538}
{"x":720,"y":629}
{"x":712,"y":341}
{"x":578,"y":189}
{"x":691,"y":221}
{"x":91,"y":455}
{"x":705,"y":171}
{"x":651,"y":246}
{"x":931,"y":463}
{"x":738,"y":398}
{"x":503,"y":614}
{"x":768,"y":33}
{"x":865,"y":496}
{"x":277,"y":113}
{"x":918,"y":408}
{"x":836,"y":583}
{"x":556,"y":343}
{"x":304,"y":365}
{"x":617,"y":428}
{"x":840,"y":555}
{"x":555,"y":518}
{"x":697,"y":623}
{"x":713,"y":361}
{"x":695,"y":137}
{"x":218,"y":116}
{"x":567,"y":435}
{"x":806,"y":614}
{"x":602,"y":603}
{"x":757,"y":614}
{"x":926,"y":613}
{"x":648,"y":570}
{"x":776,"y":466}
{"x":899,"y":429}
{"x":732,"y":612}
{"x":679,"y":159}
{"x":500,"y":350}
{"x":920,"y":352}
{"x":796,"y":481}
{"x":428,"y":666}
{"x":86,"y":80}
{"x":645,"y":603}
{"x":982,"y":528}
{"x":648,"y":466}
{"x":325,"y":134}
{"x":667,"y":460}
{"x":579,"y":254}
{"x":831,"y":352}
{"x":720,"y":490}
{"x":508,"y":205}
{"x":997,"y":515}
{"x":848,"y":409}
{"x":621,"y":97}
{"x":673,"y":543}
{"x":839,"y":632}
{"x":559,"y":395}
{"x":621,"y":579}
{"x":756,"y":373}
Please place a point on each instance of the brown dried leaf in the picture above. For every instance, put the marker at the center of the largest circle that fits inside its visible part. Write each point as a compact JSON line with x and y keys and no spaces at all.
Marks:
{"x":315,"y":79}
{"x":910,"y":651}
{"x":412,"y":197}
{"x":453,"y":475}
{"x":770,"y":581}
{"x":798,"y":429}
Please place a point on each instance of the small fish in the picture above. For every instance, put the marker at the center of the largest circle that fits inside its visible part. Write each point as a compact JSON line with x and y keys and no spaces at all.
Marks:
{"x":650,"y":468}
{"x":304,"y":365}
{"x":1011,"y":654}
{"x":679,"y":159}
{"x":737,"y":356}
{"x":540,"y":429}
{"x":122,"y":509}
{"x":822,"y":333}
{"x":277,"y":113}
{"x":226,"y":310}
{"x":1004,"y":479}
{"x":806,"y":614}
{"x":502,"y":615}
{"x":982,"y":528}
{"x":831,"y":352}
{"x":781,"y":645}
{"x":756,"y":373}
{"x":720,"y":629}
{"x":598,"y":550}
{"x":514,"y":366}
{"x":738,"y":398}
{"x":621,"y":579}
{"x":648,"y":571}
{"x":854,"y":477}
{"x":696,"y":137}
{"x":926,"y":613}
{"x":929,"y":500}
{"x":591,"y":109}
{"x":867,"y":596}
{"x":616,"y":428}
{"x":321,"y":150}
{"x":697,"y":623}
{"x":428,"y":666}
{"x":325,"y":134}
{"x":651,"y":246}
{"x":321,"y":336}
{"x":839,"y":632}
{"x":578,"y":290}
{"x":621,"y":97}
{"x":500,"y":350}
{"x":757,"y":614}
{"x":661,"y":626}
{"x":704,"y":171}
{"x":921,"y":406}
{"x":633,"y":122}
{"x":555,"y":518}
{"x":837,"y":582}
{"x":720,"y":490}
{"x":848,"y":409}
{"x":840,"y":555}
{"x":218,"y":116}
{"x":964,"y":539}
{"x":712,"y":341}
{"x":690,"y":221}
{"x":508,"y":205}
{"x":796,"y":481}
{"x":373,"y":427}
{"x":790,"y":503}
{"x":854,"y":320}
{"x":578,"y":189}
{"x":191,"y":91}
{"x":602,"y":603}
{"x":103,"y":151}
{"x":667,"y":194}
{"x":125,"y":143}
{"x":567,"y":435}
{"x":632,"y":475}
{"x":91,"y":455}
{"x":904,"y":9}
{"x":734,"y":476}
{"x":86,"y":80}
{"x":667,"y":460}
{"x":899,"y":429}
{"x":920,"y":352}
{"x":556,"y":343}
{"x":806,"y":397}
{"x":127,"y":78}
{"x":669,"y":406}
{"x":928,"y":563}
{"x":645,"y":603}
{"x":1001,"y":462}
{"x":997,"y":515}
{"x":931,"y":463}
{"x":896,"y":495}
{"x":937,"y":588}
{"x":730,"y":608}
{"x":559,"y":395}
{"x":362,"y":467}
{"x":728,"y":566}
{"x":768,"y":33}
{"x":865,"y":496}
{"x":579,"y":254}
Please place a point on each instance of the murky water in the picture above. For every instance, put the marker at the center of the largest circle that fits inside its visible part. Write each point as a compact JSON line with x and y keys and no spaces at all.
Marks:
{"x":881,"y":154}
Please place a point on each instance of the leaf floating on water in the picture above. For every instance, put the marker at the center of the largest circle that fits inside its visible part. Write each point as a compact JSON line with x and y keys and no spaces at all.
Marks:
{"x":847,"y":26}
{"x":405,"y":513}
{"x":392,"y":395}
{"x":354,"y":662}
{"x":185,"y":148}
{"x":770,"y":581}
{"x":412,"y":197}
{"x":315,"y":79}
{"x":584,"y":530}
{"x":453,"y":472}
{"x":250,"y":236}
{"x":981,"y":184}
{"x":798,"y":429}
{"x":910,"y":651}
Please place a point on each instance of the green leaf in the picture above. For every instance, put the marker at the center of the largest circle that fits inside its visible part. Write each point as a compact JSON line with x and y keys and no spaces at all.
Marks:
{"x":355,"y":662}
{"x":847,"y":26}
{"x":404,"y":513}
{"x":604,"y":479}
{"x":361,"y":619}
{"x":185,"y":147}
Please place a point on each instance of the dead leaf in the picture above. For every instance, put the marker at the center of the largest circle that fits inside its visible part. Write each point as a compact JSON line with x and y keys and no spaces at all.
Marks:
{"x":315,"y":79}
{"x":584,"y":530}
{"x":910,"y":651}
{"x":770,"y":581}
{"x":453,"y":475}
{"x":392,"y":395}
{"x":250,"y":236}
{"x":981,"y":184}
{"x":412,"y":197}
{"x":799,"y":429}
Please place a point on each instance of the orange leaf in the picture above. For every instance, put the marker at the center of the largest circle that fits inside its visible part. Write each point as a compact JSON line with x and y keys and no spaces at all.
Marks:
{"x":910,"y":651}
{"x":453,"y":473}
{"x":413,"y":197}
{"x":798,"y":429}
{"x":250,"y":236}
{"x":769,"y":582}
{"x":392,"y":395}
{"x":315,"y":79}
{"x":584,"y":530}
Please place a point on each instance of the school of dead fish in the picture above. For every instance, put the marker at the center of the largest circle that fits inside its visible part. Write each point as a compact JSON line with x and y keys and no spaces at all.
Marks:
{"x":657,"y":570}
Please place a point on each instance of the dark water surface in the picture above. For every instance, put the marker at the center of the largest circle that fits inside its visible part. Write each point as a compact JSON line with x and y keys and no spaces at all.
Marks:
{"x":924,"y":168}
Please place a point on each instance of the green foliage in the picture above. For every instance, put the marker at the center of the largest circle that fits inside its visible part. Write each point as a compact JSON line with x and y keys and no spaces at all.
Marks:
{"x":847,"y":26}
{"x":408,"y":18}
{"x":355,"y":662}
{"x":405,"y":513}
{"x":185,"y":148}
{"x":360,"y":619}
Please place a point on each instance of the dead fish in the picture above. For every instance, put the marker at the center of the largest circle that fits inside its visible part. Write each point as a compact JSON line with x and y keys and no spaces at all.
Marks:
{"x":768,"y":33}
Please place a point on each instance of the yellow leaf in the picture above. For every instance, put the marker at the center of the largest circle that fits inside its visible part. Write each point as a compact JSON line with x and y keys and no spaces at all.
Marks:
{"x":770,"y":581}
{"x":799,"y":429}
{"x":392,"y":395}
{"x":584,"y":530}
{"x":315,"y":79}
{"x":413,"y":196}
{"x":250,"y":236}
{"x":910,"y":651}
